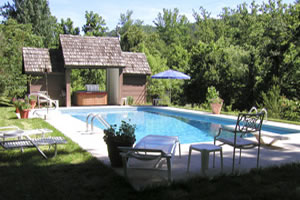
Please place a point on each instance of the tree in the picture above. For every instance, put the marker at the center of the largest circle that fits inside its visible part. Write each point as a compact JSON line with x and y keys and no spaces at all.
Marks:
{"x":221,"y":65}
{"x":130,"y":32}
{"x":34,"y":12}
{"x":205,"y":29}
{"x":95,"y":24}
{"x":125,"y":22}
{"x":172,"y":27}
{"x":14,"y":36}
{"x":291,"y":78}
{"x":156,"y":87}
{"x":67,"y":27}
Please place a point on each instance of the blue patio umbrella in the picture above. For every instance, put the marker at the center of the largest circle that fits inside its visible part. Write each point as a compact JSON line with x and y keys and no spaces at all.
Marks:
{"x":171,"y":74}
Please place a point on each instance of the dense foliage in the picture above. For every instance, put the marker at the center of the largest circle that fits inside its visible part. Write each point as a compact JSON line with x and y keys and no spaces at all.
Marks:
{"x":14,"y":36}
{"x":245,"y":53}
{"x":34,"y":12}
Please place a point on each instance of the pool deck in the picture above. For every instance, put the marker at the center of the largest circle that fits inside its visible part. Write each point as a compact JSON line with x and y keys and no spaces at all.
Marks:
{"x":282,"y":152}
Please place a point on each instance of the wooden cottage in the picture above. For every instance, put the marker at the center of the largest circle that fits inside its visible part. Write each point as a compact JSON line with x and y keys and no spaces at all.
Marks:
{"x":126,"y":71}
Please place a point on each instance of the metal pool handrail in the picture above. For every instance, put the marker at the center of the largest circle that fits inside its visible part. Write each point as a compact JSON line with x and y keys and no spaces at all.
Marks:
{"x":99,"y":118}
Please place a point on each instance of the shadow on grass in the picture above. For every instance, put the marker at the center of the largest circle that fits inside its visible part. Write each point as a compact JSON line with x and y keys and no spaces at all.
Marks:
{"x":271,"y":183}
{"x":12,"y":117}
{"x":29,"y":176}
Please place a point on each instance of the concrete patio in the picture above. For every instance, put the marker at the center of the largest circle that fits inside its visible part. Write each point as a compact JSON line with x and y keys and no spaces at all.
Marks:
{"x":283,"y":151}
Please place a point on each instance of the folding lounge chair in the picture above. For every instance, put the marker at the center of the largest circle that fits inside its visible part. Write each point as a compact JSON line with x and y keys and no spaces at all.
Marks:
{"x":246,"y":124}
{"x":27,"y":141}
{"x":151,"y":148}
{"x":42,"y":97}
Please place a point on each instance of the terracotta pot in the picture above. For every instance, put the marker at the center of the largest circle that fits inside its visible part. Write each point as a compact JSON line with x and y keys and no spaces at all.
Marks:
{"x":24,"y":113}
{"x":216,"y":108}
{"x":114,"y":153}
{"x":17,"y":110}
{"x":33,"y":103}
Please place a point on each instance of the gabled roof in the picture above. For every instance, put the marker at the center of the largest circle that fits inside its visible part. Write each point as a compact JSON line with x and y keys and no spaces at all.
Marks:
{"x":36,"y":60}
{"x":136,"y":63}
{"x":84,"y":51}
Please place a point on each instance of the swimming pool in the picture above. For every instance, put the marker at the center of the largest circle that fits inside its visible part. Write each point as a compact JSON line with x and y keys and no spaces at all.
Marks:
{"x":189,"y":127}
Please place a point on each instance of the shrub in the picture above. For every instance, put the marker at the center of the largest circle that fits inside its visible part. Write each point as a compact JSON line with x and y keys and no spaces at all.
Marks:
{"x":280,"y":107}
{"x":130,"y":100}
{"x":271,"y":101}
{"x":290,"y":109}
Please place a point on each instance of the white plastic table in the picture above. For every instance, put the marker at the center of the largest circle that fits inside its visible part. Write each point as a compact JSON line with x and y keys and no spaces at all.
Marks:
{"x":205,"y":149}
{"x":124,"y":101}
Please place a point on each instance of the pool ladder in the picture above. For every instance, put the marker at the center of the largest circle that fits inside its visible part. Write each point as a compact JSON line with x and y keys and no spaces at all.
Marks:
{"x":262,"y":110}
{"x":93,"y":117}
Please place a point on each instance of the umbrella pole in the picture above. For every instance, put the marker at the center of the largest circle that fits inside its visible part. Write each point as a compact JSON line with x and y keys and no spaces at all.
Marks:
{"x":170,"y":95}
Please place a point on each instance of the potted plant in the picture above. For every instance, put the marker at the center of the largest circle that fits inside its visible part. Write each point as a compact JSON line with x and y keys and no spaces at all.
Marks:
{"x":24,"y":108}
{"x":215,"y":101}
{"x":32,"y":100}
{"x":16,"y":102}
{"x":130,"y":100}
{"x":114,"y":138}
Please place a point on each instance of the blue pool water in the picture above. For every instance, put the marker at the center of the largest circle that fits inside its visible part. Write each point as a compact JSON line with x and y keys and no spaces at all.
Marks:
{"x":189,"y":127}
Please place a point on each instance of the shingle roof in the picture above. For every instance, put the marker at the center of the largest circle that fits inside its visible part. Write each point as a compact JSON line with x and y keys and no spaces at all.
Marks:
{"x":136,"y":63}
{"x":36,"y":59}
{"x":91,"y":51}
{"x":79,"y":51}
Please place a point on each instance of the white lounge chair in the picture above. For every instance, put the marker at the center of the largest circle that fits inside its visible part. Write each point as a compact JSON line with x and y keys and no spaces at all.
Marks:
{"x":151,"y":148}
{"x":44,"y":98}
{"x":25,"y":141}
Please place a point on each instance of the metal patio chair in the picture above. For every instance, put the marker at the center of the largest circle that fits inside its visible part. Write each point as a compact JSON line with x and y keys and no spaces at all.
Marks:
{"x":246,"y":124}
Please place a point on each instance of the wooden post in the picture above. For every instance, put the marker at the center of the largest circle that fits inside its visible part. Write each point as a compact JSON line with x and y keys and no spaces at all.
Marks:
{"x":68,"y":87}
{"x":120,"y":85}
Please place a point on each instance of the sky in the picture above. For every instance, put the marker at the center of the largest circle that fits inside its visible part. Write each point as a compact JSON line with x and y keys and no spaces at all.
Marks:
{"x":146,"y":11}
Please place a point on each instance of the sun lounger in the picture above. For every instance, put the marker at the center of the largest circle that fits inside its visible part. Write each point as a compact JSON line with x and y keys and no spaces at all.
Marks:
{"x":25,"y":141}
{"x":44,"y":98}
{"x":272,"y":138}
{"x":266,"y":138}
{"x":151,"y":148}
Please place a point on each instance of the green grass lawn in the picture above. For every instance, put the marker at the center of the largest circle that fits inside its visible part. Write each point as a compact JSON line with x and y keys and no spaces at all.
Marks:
{"x":75,"y":174}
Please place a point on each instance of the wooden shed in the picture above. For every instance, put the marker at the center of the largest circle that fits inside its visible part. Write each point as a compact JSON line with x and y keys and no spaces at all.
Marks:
{"x":47,"y":70}
{"x":126,"y":71}
{"x":135,"y":76}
